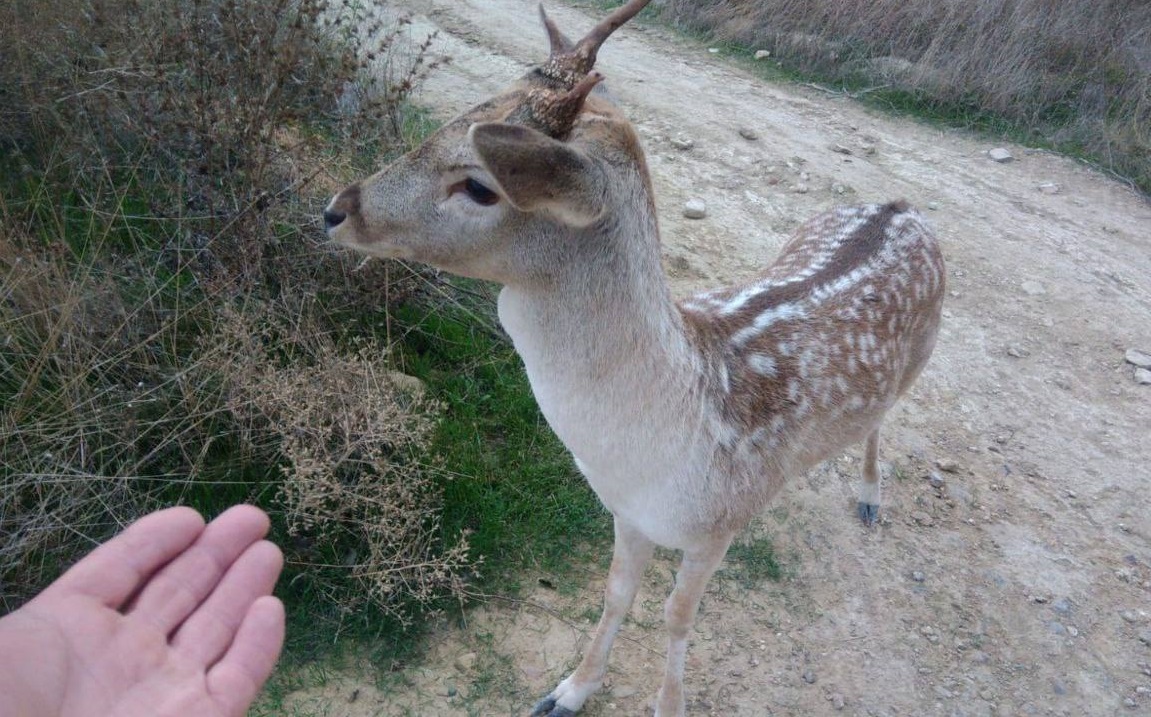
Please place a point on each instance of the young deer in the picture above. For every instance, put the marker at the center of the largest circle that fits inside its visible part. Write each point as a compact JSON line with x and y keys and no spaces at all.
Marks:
{"x":685,"y":418}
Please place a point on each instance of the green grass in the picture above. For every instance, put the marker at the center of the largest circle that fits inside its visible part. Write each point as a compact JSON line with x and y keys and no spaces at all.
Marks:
{"x":509,"y":481}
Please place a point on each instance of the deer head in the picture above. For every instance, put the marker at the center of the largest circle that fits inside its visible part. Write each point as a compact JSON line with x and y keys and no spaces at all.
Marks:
{"x":491,"y":193}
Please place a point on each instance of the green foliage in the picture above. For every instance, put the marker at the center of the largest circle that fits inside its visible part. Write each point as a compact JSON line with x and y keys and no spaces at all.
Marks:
{"x":510,"y":483}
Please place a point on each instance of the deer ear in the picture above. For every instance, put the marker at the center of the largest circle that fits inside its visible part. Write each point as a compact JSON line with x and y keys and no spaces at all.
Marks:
{"x":537,"y":172}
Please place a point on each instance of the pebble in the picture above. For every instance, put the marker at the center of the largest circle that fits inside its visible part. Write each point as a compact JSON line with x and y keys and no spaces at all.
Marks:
{"x":713,"y":50}
{"x":935,"y":479}
{"x":1138,"y":358}
{"x":809,"y":677}
{"x":762,"y":54}
{"x":695,"y":209}
{"x":1062,"y":606}
{"x":748,"y":133}
{"x":801,"y":189}
{"x":1049,"y":188}
{"x":1000,"y":155}
{"x":947,"y":465}
{"x":682,"y":142}
{"x":1057,"y":627}
{"x":922,"y":518}
{"x":933,"y":206}
{"x":1017,"y":351}
{"x":839,"y":148}
{"x":1145,"y":637}
{"x":1129,"y":702}
{"x":1143,"y":377}
{"x":1129,"y":616}
{"x":918,"y":576}
{"x":466,"y":661}
{"x":837,"y":701}
{"x":1033,"y":288}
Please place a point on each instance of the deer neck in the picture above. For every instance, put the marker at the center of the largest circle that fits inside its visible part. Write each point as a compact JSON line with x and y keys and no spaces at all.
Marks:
{"x":602,"y":339}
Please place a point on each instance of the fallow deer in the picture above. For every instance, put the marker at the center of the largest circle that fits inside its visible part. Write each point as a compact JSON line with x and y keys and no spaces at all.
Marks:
{"x":686,"y":419}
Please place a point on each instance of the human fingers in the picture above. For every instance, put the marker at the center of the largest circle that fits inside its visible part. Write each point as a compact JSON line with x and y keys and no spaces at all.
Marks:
{"x":175,"y":592}
{"x":114,"y":571}
{"x":208,"y":631}
{"x":236,"y":679}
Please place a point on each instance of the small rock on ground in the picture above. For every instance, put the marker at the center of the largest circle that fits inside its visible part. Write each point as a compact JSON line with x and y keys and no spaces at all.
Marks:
{"x":1138,"y":358}
{"x":1000,"y":155}
{"x":695,"y":209}
{"x":1049,"y":188}
{"x":1143,"y":377}
{"x":748,"y":133}
{"x":682,"y":142}
{"x":762,"y":54}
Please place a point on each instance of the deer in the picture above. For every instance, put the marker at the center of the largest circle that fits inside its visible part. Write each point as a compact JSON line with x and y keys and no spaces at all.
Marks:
{"x":686,"y":418}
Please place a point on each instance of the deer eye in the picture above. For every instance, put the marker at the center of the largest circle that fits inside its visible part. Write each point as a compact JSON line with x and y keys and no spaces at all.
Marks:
{"x":477,"y":192}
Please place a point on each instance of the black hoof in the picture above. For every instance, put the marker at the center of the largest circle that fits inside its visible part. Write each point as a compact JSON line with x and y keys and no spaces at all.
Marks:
{"x":543,"y":708}
{"x":547,"y":707}
{"x":868,"y":513}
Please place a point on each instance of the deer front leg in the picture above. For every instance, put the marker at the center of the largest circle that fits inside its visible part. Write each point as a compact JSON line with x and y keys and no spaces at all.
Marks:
{"x":632,"y":552}
{"x":869,"y":489}
{"x":699,"y":563}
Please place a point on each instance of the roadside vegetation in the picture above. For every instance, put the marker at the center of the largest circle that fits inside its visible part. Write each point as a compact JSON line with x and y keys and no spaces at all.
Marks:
{"x":174,"y":330}
{"x":1070,"y":75}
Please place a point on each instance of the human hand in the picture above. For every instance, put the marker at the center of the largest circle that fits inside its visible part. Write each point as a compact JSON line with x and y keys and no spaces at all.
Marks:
{"x":170,"y":617}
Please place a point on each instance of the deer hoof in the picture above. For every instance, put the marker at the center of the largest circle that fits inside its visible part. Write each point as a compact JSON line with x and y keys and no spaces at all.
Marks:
{"x":547,"y":707}
{"x":868,"y":513}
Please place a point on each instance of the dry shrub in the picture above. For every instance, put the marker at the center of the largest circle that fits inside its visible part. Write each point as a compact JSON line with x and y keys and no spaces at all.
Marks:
{"x":1076,"y":72}
{"x":155,"y":165}
{"x":189,"y":102}
{"x":354,"y":435}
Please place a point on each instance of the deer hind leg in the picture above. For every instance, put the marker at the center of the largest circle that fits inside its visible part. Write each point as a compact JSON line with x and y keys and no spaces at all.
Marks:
{"x":699,"y":563}
{"x":869,"y":489}
{"x":631,"y":554}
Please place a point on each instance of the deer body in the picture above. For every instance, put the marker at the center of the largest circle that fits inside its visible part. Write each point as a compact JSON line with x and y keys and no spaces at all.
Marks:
{"x":685,"y":418}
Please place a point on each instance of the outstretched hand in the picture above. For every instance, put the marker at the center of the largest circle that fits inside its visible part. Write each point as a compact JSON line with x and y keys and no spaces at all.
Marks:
{"x":171,"y":617}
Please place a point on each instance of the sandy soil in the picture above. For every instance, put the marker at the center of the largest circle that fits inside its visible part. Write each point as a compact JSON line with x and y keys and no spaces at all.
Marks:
{"x":1018,"y":580}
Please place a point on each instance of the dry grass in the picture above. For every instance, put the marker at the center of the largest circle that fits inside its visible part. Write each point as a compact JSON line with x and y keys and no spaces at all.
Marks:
{"x":167,"y":331}
{"x":1075,"y":73}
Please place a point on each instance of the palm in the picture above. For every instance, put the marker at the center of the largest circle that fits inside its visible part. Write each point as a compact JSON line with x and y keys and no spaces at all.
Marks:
{"x":169,"y":618}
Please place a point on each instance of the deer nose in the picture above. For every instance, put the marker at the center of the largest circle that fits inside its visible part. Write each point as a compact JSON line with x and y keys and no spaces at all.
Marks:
{"x":333,"y":218}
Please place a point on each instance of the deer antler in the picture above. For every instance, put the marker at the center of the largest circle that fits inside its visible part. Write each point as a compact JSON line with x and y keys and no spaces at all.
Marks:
{"x":565,"y":80}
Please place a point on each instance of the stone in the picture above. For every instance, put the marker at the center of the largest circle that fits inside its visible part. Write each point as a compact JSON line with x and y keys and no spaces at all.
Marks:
{"x":947,"y":465}
{"x":1033,"y":288}
{"x":748,"y":133}
{"x":1137,"y":358}
{"x":922,"y":518}
{"x":466,"y":661}
{"x":933,"y":206}
{"x":1143,"y":377}
{"x":1001,"y":155}
{"x":801,"y":189}
{"x":762,"y":54}
{"x":935,"y":478}
{"x":918,"y":576}
{"x":1049,"y":188}
{"x":695,"y":209}
{"x":809,"y":677}
{"x":837,"y":702}
{"x":1017,"y":351}
{"x":682,"y":142}
{"x":1145,"y":637}
{"x":840,"y":149}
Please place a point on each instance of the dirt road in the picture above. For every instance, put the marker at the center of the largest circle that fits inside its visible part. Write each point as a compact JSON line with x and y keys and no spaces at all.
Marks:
{"x":1017,"y":580}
